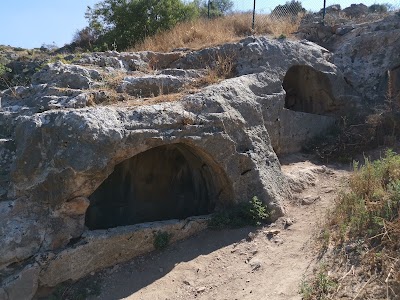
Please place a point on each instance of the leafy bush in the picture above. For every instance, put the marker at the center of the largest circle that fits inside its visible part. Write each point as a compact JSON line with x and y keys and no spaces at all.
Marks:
{"x":214,"y":8}
{"x":4,"y":70}
{"x":317,"y":287}
{"x":378,"y":8}
{"x":85,"y":38}
{"x":161,"y":240}
{"x":119,"y":24}
{"x":252,"y":213}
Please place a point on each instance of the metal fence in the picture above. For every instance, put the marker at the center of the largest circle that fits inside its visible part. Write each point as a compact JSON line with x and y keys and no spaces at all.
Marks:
{"x":260,"y":10}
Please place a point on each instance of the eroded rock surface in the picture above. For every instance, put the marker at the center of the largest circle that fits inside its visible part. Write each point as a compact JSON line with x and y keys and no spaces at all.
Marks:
{"x":66,"y":133}
{"x":366,"y":51}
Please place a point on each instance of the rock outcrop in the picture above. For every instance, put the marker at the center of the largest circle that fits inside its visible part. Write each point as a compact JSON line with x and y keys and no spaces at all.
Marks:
{"x":365,"y":52}
{"x":71,"y":130}
{"x":368,"y":55}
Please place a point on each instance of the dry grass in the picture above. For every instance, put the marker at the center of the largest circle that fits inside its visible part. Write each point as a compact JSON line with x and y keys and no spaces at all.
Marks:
{"x":203,"y":33}
{"x":196,"y":34}
{"x":363,"y":232}
{"x":223,"y":67}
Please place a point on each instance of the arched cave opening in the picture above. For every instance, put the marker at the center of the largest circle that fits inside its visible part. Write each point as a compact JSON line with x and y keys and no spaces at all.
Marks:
{"x":307,"y":90}
{"x":172,"y":181}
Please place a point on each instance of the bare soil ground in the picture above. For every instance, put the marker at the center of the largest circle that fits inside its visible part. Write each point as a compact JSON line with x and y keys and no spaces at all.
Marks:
{"x":248,"y":263}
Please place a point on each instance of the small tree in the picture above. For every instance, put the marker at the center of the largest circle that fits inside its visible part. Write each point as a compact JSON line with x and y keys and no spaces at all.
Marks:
{"x":85,"y":38}
{"x":216,"y":8}
{"x":4,"y":72}
{"x":378,"y":8}
{"x":126,"y":22}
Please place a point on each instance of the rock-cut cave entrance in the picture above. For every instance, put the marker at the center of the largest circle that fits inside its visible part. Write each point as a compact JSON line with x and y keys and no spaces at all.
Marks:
{"x":307,"y":90}
{"x":173,"y":181}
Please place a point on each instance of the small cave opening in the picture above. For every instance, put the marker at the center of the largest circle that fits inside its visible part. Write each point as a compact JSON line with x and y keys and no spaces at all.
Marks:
{"x":394,"y":83}
{"x":307,"y":90}
{"x":173,"y":181}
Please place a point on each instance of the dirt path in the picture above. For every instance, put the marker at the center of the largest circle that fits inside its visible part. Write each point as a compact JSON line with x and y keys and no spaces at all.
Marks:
{"x":246,"y":263}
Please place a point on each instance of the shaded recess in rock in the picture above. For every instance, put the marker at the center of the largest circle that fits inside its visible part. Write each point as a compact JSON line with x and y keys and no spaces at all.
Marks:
{"x":394,"y":84}
{"x":166,"y":182}
{"x":308,"y":90}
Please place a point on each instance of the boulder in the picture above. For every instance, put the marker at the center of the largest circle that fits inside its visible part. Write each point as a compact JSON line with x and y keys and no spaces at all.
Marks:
{"x":356,"y":10}
{"x":153,"y":85}
{"x":22,"y":285}
{"x":128,"y":61}
{"x":66,"y":76}
{"x":334,"y":8}
{"x":367,"y":55}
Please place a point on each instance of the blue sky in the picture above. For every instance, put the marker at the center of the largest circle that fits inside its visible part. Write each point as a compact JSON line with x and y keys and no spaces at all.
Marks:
{"x":32,"y":23}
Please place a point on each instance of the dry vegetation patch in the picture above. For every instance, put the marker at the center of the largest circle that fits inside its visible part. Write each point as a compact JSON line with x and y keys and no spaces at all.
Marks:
{"x":362,"y":237}
{"x":203,"y":33}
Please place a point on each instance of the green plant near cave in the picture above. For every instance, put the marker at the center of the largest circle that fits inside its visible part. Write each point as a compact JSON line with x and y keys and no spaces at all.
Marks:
{"x":318,"y":287}
{"x":161,"y":240}
{"x":251,"y":213}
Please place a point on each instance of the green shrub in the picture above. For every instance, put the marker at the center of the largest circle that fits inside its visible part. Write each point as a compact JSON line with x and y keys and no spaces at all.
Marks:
{"x":121,"y":24}
{"x":364,"y":225}
{"x":251,"y":213}
{"x":378,"y":8}
{"x":4,"y":70}
{"x":318,"y":287}
{"x":373,"y":199}
{"x":161,"y":240}
{"x":4,"y":81}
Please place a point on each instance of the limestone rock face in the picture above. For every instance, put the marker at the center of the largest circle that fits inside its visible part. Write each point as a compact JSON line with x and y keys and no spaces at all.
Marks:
{"x":365,"y":52}
{"x":150,"y":86}
{"x":21,"y":286}
{"x":368,"y":55}
{"x":66,"y":76}
{"x":63,"y":138}
{"x":130,"y":61}
{"x":97,"y":248}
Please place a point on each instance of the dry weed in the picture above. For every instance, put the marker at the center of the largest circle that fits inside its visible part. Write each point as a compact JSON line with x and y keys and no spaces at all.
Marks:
{"x":133,"y":102}
{"x":364,"y":233}
{"x":205,"y":33}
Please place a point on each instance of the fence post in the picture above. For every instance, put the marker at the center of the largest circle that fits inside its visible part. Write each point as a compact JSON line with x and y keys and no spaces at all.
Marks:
{"x":208,"y":8}
{"x":254,"y":15}
{"x":323,"y":13}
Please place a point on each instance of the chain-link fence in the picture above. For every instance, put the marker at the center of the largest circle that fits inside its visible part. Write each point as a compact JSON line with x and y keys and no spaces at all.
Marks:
{"x":262,"y":12}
